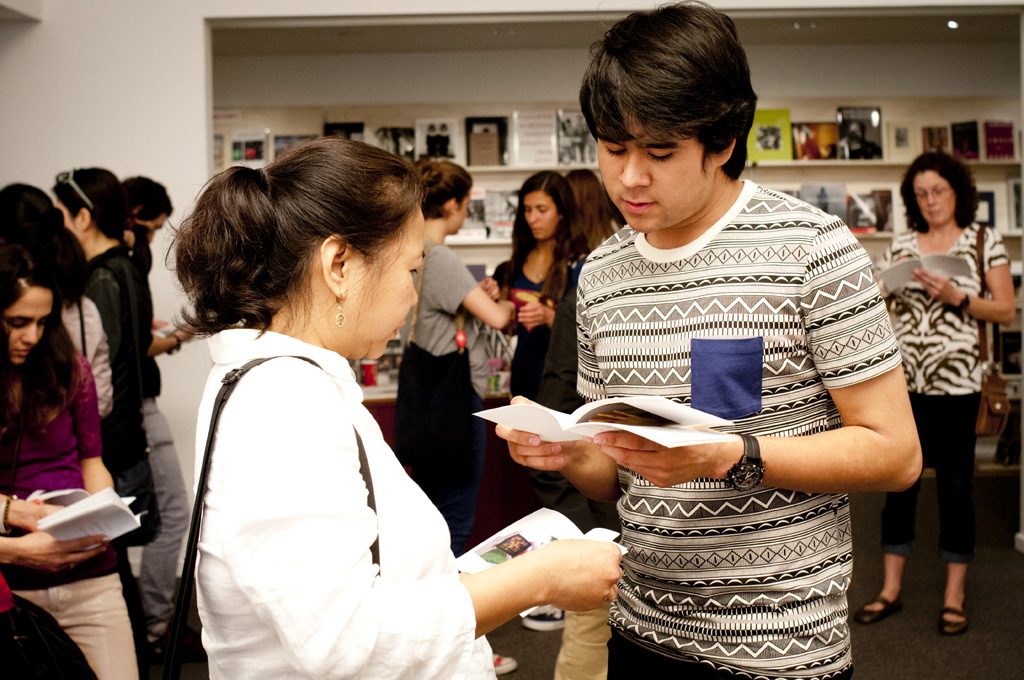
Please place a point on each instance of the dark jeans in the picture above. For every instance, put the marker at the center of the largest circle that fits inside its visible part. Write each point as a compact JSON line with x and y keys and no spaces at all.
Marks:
{"x":628,"y":660}
{"x":457,"y":500}
{"x":945,"y":425}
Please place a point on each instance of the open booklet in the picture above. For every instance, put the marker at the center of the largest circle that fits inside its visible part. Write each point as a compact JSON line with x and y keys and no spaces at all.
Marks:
{"x":85,"y":514}
{"x":900,"y":274}
{"x":534,"y":531}
{"x":658,"y":419}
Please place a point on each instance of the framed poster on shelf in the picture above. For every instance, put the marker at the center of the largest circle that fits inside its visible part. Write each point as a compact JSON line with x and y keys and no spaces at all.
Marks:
{"x":1013,"y":204}
{"x":985,"y":215}
{"x":965,"y":140}
{"x":999,"y":139}
{"x":902,"y":143}
{"x":249,"y":148}
{"x":534,"y":138}
{"x":771,"y":136}
{"x":575,"y":144}
{"x":354,"y":131}
{"x":283,"y":142}
{"x":869,"y":212}
{"x":935,"y":138}
{"x":814,"y":141}
{"x":400,"y":141}
{"x":860,"y":132}
{"x":440,"y":139}
{"x":487,"y":140}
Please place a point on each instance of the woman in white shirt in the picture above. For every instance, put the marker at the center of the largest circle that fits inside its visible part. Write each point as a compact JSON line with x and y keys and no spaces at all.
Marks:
{"x":314,"y":256}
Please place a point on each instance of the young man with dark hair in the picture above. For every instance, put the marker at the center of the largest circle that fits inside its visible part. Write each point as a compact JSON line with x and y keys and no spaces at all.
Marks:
{"x":746,"y":303}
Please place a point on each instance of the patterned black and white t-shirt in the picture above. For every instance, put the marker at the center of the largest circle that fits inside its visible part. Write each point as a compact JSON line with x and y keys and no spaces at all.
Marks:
{"x":939,"y":343}
{"x":755,"y":321}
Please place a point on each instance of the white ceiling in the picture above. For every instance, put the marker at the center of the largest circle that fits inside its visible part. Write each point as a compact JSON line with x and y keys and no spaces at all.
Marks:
{"x":440,"y":34}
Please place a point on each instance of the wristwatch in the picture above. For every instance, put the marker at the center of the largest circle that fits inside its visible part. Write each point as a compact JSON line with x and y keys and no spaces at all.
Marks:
{"x":965,"y":303}
{"x":749,"y":470}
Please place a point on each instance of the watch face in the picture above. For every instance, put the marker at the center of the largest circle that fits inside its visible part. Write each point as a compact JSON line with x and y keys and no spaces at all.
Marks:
{"x":745,"y":476}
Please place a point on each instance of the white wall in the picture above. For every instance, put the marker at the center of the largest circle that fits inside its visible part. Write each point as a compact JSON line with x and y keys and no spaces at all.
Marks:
{"x":124,"y":84}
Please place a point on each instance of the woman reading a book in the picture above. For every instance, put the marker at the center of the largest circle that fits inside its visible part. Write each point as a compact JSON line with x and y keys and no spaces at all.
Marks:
{"x":51,"y":441}
{"x":547,"y":255}
{"x":314,"y":257}
{"x":936,"y":321}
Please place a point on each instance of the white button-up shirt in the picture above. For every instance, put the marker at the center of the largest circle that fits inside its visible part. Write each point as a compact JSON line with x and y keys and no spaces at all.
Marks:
{"x":286,"y":585}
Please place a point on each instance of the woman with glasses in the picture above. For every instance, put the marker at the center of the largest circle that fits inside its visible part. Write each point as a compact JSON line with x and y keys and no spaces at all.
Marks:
{"x":96,"y":212}
{"x":51,"y":436}
{"x":936,"y":319}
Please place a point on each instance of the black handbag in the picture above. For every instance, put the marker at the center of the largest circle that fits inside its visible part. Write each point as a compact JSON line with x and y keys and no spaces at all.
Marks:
{"x":434,"y":407}
{"x":183,"y":599}
{"x":33,"y":646}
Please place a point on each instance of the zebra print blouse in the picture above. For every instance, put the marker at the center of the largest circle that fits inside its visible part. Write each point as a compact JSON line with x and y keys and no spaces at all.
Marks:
{"x":938,"y":342}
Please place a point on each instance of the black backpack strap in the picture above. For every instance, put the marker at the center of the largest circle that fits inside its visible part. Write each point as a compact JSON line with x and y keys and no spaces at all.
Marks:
{"x":172,"y":659}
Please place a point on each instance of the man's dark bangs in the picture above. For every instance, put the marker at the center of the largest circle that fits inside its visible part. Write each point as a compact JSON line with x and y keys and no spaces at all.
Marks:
{"x":614,"y":115}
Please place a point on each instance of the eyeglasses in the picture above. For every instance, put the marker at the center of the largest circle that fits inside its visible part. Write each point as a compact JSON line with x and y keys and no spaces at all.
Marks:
{"x":69,"y":179}
{"x":937,"y":192}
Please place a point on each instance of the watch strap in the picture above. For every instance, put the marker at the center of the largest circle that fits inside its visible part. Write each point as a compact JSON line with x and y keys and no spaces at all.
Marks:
{"x":751,"y":449}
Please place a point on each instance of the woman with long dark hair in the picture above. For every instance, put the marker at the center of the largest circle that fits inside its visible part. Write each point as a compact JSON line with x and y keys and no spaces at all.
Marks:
{"x":52,"y":440}
{"x":547,"y":255}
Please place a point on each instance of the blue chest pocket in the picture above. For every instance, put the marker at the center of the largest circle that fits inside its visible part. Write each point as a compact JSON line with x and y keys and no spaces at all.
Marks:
{"x":726,"y":376}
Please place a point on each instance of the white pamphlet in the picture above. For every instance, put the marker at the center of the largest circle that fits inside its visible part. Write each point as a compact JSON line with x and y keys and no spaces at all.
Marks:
{"x":102,"y":513}
{"x":658,"y":419}
{"x":902,"y":273}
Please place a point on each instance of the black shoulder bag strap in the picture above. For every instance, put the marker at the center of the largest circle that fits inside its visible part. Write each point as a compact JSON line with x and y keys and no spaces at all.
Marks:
{"x":172,"y":659}
{"x":81,"y":328}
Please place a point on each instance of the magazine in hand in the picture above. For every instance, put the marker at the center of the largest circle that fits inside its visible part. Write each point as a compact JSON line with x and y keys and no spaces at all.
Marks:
{"x":103,"y":512}
{"x":658,"y":419}
{"x":902,"y":273}
{"x":526,"y":535}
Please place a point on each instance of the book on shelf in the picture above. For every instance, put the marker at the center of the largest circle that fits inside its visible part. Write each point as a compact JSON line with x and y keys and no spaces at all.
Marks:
{"x":400,"y":141}
{"x":964,"y":136}
{"x":829,"y":197}
{"x":103,"y":512}
{"x":814,"y":141}
{"x":487,"y":140}
{"x":576,"y":146}
{"x":860,"y":132}
{"x":899,"y":274}
{"x":771,"y":136}
{"x":534,"y":138}
{"x":532,"y":532}
{"x":935,"y":138}
{"x":999,"y":139}
{"x":352,"y":130}
{"x":658,"y":419}
{"x":986,"y":213}
{"x":500,"y":211}
{"x":439,"y":139}
{"x":902,"y":143}
{"x":869,"y":212}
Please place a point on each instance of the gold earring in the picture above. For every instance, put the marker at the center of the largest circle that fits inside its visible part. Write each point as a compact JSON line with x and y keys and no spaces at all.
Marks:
{"x":339,"y":315}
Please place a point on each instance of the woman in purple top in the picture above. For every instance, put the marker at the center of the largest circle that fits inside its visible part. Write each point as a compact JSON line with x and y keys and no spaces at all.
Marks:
{"x":50,"y":441}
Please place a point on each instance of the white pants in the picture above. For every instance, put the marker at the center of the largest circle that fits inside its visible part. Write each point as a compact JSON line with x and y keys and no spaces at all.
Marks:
{"x":93,"y":614}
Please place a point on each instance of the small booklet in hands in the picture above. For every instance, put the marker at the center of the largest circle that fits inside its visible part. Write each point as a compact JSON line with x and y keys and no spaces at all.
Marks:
{"x":658,"y":419}
{"x":84,"y":514}
{"x":901,"y":273}
{"x":525,"y":535}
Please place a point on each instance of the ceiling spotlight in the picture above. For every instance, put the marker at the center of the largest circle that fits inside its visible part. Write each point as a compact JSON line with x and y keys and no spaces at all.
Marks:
{"x":952,"y":24}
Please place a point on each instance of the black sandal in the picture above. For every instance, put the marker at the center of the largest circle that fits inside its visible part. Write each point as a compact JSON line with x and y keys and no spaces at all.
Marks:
{"x":947,"y":627}
{"x":867,"y":616}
